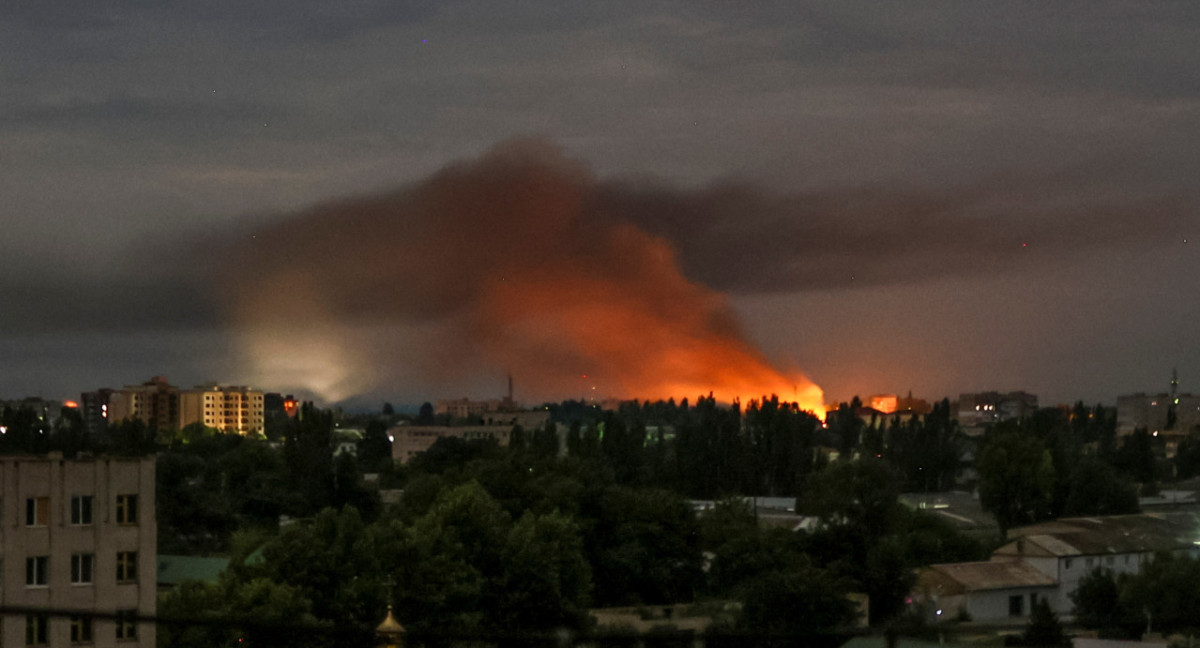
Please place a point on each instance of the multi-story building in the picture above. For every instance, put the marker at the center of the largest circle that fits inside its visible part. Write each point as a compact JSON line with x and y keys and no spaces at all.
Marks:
{"x":77,"y":535}
{"x":236,"y":409}
{"x":409,"y":441}
{"x":93,"y":408}
{"x":1158,"y":412}
{"x":978,"y":410}
{"x":231,"y":409}
{"x":154,"y":402}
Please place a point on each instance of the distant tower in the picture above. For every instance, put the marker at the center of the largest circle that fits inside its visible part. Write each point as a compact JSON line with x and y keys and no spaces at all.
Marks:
{"x":1174,"y":383}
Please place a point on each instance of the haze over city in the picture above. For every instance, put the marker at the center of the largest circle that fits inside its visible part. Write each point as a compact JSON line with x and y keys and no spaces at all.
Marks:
{"x":405,"y":201}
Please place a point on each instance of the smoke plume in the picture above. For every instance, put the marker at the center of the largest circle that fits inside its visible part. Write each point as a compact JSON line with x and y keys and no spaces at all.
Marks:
{"x":500,"y":264}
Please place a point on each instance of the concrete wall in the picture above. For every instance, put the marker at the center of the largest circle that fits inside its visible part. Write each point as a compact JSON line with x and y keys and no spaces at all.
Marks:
{"x":58,"y":480}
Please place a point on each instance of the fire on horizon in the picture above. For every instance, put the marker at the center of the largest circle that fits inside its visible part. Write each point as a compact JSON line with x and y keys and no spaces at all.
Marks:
{"x":495,"y":264}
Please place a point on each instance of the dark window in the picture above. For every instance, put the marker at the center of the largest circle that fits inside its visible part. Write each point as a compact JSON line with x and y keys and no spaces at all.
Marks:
{"x":36,"y":629}
{"x":37,"y":571}
{"x":126,"y":626}
{"x":126,"y":566}
{"x":81,"y":568}
{"x":127,"y":509}
{"x":81,"y":629}
{"x":1016,"y":605}
{"x":81,"y":509}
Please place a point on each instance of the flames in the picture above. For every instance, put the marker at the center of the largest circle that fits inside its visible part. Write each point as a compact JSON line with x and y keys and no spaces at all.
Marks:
{"x":495,"y":265}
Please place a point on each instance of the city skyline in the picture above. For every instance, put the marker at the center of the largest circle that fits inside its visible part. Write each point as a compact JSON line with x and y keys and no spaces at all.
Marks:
{"x":939,"y":198}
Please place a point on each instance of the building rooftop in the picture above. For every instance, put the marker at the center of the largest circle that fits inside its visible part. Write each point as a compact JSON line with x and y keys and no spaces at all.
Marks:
{"x":959,"y":578}
{"x":1114,"y":534}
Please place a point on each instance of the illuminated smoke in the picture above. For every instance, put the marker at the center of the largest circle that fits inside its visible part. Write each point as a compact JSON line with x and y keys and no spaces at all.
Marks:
{"x":495,"y":265}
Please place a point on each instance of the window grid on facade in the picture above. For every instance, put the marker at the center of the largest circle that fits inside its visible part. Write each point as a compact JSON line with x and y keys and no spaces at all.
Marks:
{"x":81,"y":629}
{"x":126,"y":566}
{"x":126,"y":509}
{"x":37,"y":511}
{"x":37,"y":570}
{"x":82,"y":565}
{"x":81,"y":510}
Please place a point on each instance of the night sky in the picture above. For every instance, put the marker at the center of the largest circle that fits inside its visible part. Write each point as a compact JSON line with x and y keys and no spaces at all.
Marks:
{"x":372,"y":200}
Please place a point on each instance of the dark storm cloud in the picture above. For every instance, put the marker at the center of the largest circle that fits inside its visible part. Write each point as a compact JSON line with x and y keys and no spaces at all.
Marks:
{"x":140,"y":113}
{"x":396,"y":257}
{"x":122,"y":304}
{"x":743,"y":239}
{"x":278,"y":19}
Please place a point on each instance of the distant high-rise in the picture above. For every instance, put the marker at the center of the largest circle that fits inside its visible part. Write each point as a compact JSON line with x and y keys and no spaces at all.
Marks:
{"x":983,"y":408}
{"x":154,"y":402}
{"x":230,"y":409}
{"x":94,"y":409}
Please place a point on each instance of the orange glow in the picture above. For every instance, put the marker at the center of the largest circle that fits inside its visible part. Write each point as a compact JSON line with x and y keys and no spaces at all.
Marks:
{"x":71,"y":404}
{"x":492,"y":266}
{"x":886,"y":403}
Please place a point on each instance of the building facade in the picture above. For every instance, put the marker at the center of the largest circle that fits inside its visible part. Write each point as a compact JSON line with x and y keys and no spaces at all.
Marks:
{"x":978,"y":410}
{"x":78,"y":535}
{"x":1048,"y":560}
{"x":1158,"y":413}
{"x":236,"y":409}
{"x":154,"y":402}
{"x":230,"y":409}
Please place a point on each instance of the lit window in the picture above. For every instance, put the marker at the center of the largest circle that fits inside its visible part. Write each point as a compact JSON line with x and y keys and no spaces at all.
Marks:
{"x":127,"y":509}
{"x":37,"y":511}
{"x":81,"y":509}
{"x":37,"y":571}
{"x":81,"y":568}
{"x":36,"y":630}
{"x":126,"y":566}
{"x":81,"y":629}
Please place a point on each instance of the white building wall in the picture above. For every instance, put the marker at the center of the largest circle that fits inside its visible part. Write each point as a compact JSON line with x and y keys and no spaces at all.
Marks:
{"x":58,"y":480}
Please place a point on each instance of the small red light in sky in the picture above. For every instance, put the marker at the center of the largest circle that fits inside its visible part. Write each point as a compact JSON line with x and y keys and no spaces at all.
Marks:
{"x":585,"y":375}
{"x":1024,"y":245}
{"x":71,"y":404}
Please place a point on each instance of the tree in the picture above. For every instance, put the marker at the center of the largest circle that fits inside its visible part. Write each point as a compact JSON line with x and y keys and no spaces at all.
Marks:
{"x":545,"y":582}
{"x":797,"y":603}
{"x":1044,"y":629}
{"x":425,"y":414}
{"x":643,"y":547}
{"x":858,"y":495}
{"x":1096,"y":600}
{"x":1096,"y":488}
{"x":375,"y":447}
{"x":1016,"y":478}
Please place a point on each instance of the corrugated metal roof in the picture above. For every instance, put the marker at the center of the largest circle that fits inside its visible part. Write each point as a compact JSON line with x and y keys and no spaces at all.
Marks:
{"x":1115,"y":534}
{"x":989,"y":575}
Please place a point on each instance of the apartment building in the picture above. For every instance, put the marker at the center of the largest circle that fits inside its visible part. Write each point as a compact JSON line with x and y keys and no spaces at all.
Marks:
{"x":77,"y":535}
{"x":230,"y":409}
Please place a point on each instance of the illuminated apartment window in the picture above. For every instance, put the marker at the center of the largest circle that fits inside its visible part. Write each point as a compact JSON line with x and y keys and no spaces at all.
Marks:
{"x":81,"y":510}
{"x":37,"y":629}
{"x":127,"y":509}
{"x":81,"y":630}
{"x":37,"y":511}
{"x":82,"y":566}
{"x":126,"y":566}
{"x":126,"y":626}
{"x":37,"y":571}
